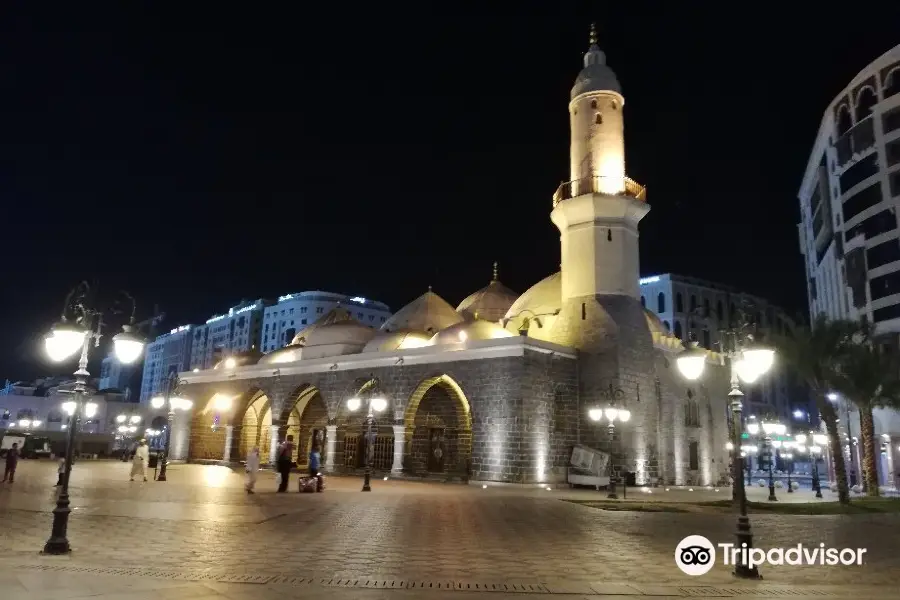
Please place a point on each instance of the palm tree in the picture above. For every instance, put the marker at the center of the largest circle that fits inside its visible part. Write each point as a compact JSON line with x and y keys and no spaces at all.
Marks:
{"x":815,"y":353}
{"x":870,"y":378}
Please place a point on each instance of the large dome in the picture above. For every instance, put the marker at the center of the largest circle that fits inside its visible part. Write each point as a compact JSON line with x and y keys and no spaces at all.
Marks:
{"x":543,"y":300}
{"x":596,"y":76}
{"x":429,"y":313}
{"x":337,"y":314}
{"x":240,"y":359}
{"x":403,"y":339}
{"x":489,"y":303}
{"x":469,"y":331}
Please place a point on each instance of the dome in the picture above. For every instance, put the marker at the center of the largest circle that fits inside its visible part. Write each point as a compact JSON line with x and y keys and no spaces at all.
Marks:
{"x":469,"y":331}
{"x":596,"y":76}
{"x":337,"y":314}
{"x":428,"y":313}
{"x":402,"y":339}
{"x":340,"y":333}
{"x":543,"y":297}
{"x":240,"y":359}
{"x":489,"y":303}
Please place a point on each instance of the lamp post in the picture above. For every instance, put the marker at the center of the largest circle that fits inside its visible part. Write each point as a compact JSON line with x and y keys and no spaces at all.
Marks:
{"x":172,"y":403}
{"x":374,"y":404}
{"x":128,"y":425}
{"x":613,"y":412}
{"x":64,"y":341}
{"x":746,"y":362}
{"x":771,"y":428}
{"x":788,"y":457}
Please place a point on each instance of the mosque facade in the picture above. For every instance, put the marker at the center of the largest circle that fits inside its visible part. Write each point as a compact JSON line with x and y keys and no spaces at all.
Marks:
{"x":497,"y":389}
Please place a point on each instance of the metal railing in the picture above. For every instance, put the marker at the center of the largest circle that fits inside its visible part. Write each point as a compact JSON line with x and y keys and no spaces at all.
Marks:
{"x":600,"y":184}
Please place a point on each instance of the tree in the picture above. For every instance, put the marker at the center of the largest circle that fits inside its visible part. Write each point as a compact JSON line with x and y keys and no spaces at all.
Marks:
{"x":815,"y":354}
{"x":870,"y":378}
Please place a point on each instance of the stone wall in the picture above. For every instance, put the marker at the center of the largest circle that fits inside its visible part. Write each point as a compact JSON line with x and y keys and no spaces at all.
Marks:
{"x":523,"y":410}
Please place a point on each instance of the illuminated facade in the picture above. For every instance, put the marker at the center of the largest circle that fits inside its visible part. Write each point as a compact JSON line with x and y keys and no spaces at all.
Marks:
{"x":698,"y":310}
{"x":238,"y":330}
{"x":167,"y":353}
{"x":848,"y":226}
{"x":498,"y":388}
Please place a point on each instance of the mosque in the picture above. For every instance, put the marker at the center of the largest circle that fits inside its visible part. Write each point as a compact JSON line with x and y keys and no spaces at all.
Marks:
{"x":499,"y":388}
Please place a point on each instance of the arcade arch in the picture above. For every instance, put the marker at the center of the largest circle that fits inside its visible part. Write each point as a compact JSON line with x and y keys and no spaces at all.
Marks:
{"x":305,"y":417}
{"x":438,"y":422}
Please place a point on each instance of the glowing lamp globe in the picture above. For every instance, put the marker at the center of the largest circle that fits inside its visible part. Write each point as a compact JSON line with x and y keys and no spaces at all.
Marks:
{"x":90,"y":409}
{"x":820,"y":439}
{"x":595,"y":414}
{"x":69,"y":407}
{"x":746,"y":371}
{"x":691,"y":362}
{"x":127,"y":346}
{"x":181,"y":403}
{"x":760,"y":359}
{"x":379,"y":404}
{"x":752,"y":428}
{"x":63,"y":341}
{"x":611,"y":413}
{"x":624,"y":415}
{"x":222,"y":403}
{"x":353,"y":404}
{"x":120,"y":419}
{"x":135,"y":419}
{"x":157,"y":402}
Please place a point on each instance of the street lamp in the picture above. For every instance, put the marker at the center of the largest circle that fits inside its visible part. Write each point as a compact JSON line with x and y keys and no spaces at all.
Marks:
{"x":747,"y":361}
{"x":374,"y":404}
{"x":63,"y":342}
{"x":769,"y":429}
{"x":815,"y":450}
{"x":612,"y":413}
{"x":789,"y":458}
{"x":172,"y":403}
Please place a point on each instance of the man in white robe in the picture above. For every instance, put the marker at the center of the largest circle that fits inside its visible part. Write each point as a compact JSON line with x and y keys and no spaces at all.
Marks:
{"x":140,"y":461}
{"x":252,"y":469}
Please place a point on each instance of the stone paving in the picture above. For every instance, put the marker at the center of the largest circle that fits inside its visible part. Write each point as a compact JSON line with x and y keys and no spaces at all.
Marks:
{"x":202,"y":521}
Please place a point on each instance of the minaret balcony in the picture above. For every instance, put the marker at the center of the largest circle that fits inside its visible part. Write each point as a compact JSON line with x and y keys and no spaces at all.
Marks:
{"x":600,"y":184}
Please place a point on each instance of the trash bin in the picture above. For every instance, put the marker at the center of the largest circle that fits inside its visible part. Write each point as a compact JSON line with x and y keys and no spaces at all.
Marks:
{"x":154,"y":460}
{"x":631,"y":479}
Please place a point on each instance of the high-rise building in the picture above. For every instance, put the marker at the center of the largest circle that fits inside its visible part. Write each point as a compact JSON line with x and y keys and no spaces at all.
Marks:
{"x":848,"y":227}
{"x":116,"y":376}
{"x":295,"y":311}
{"x":697,"y":310}
{"x":170,"y":352}
{"x":848,"y":201}
{"x":238,"y":330}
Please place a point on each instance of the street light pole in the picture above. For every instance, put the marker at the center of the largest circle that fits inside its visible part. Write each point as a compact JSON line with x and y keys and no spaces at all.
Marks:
{"x":744,"y":535}
{"x":374,"y":404}
{"x":170,"y":420}
{"x":770,"y":455}
{"x":59,"y":541}
{"x":367,"y":481}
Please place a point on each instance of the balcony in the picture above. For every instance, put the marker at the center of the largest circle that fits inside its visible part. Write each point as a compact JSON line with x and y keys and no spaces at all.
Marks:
{"x":599,"y":184}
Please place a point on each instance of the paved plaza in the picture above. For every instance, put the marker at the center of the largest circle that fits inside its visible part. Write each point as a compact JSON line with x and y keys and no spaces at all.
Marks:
{"x":199,"y":535}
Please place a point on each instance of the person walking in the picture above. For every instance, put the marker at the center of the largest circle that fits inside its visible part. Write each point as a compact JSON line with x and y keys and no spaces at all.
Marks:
{"x":285,"y":462}
{"x":140,"y":461}
{"x":61,"y":471}
{"x":315,"y":461}
{"x":252,"y":469}
{"x":12,"y":460}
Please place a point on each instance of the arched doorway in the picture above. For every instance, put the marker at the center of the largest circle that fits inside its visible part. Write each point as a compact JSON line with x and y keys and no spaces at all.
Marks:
{"x":438,"y":424}
{"x":352,"y":447}
{"x":253,"y":428}
{"x":305,"y":418}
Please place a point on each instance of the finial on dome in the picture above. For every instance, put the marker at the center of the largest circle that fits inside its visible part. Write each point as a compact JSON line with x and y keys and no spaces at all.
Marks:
{"x":594,"y":39}
{"x":429,"y":288}
{"x":496,"y":266}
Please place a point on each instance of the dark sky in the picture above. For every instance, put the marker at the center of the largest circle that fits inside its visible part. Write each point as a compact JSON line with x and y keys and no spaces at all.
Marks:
{"x":223,"y":151}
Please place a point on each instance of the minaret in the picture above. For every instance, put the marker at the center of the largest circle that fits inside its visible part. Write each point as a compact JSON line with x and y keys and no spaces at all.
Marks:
{"x":598,"y":211}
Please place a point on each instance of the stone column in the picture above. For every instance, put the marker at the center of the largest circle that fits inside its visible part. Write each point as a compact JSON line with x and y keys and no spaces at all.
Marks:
{"x":273,"y":444}
{"x":229,"y":438}
{"x":399,"y":444}
{"x":330,"y":445}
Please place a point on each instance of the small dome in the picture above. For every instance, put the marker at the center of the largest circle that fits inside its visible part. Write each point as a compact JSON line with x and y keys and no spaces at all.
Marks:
{"x":339,"y":333}
{"x":282,"y":355}
{"x":241,"y":359}
{"x":543,"y":297}
{"x":402,"y":339}
{"x":596,"y":76}
{"x":489,"y":303}
{"x":469,"y":331}
{"x":335,"y":315}
{"x":428,"y":313}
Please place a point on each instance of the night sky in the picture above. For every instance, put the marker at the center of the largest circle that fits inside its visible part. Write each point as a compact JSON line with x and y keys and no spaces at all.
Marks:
{"x":221,"y":151}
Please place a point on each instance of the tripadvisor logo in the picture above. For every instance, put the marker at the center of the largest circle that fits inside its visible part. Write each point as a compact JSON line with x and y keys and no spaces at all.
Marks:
{"x":696,"y":555}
